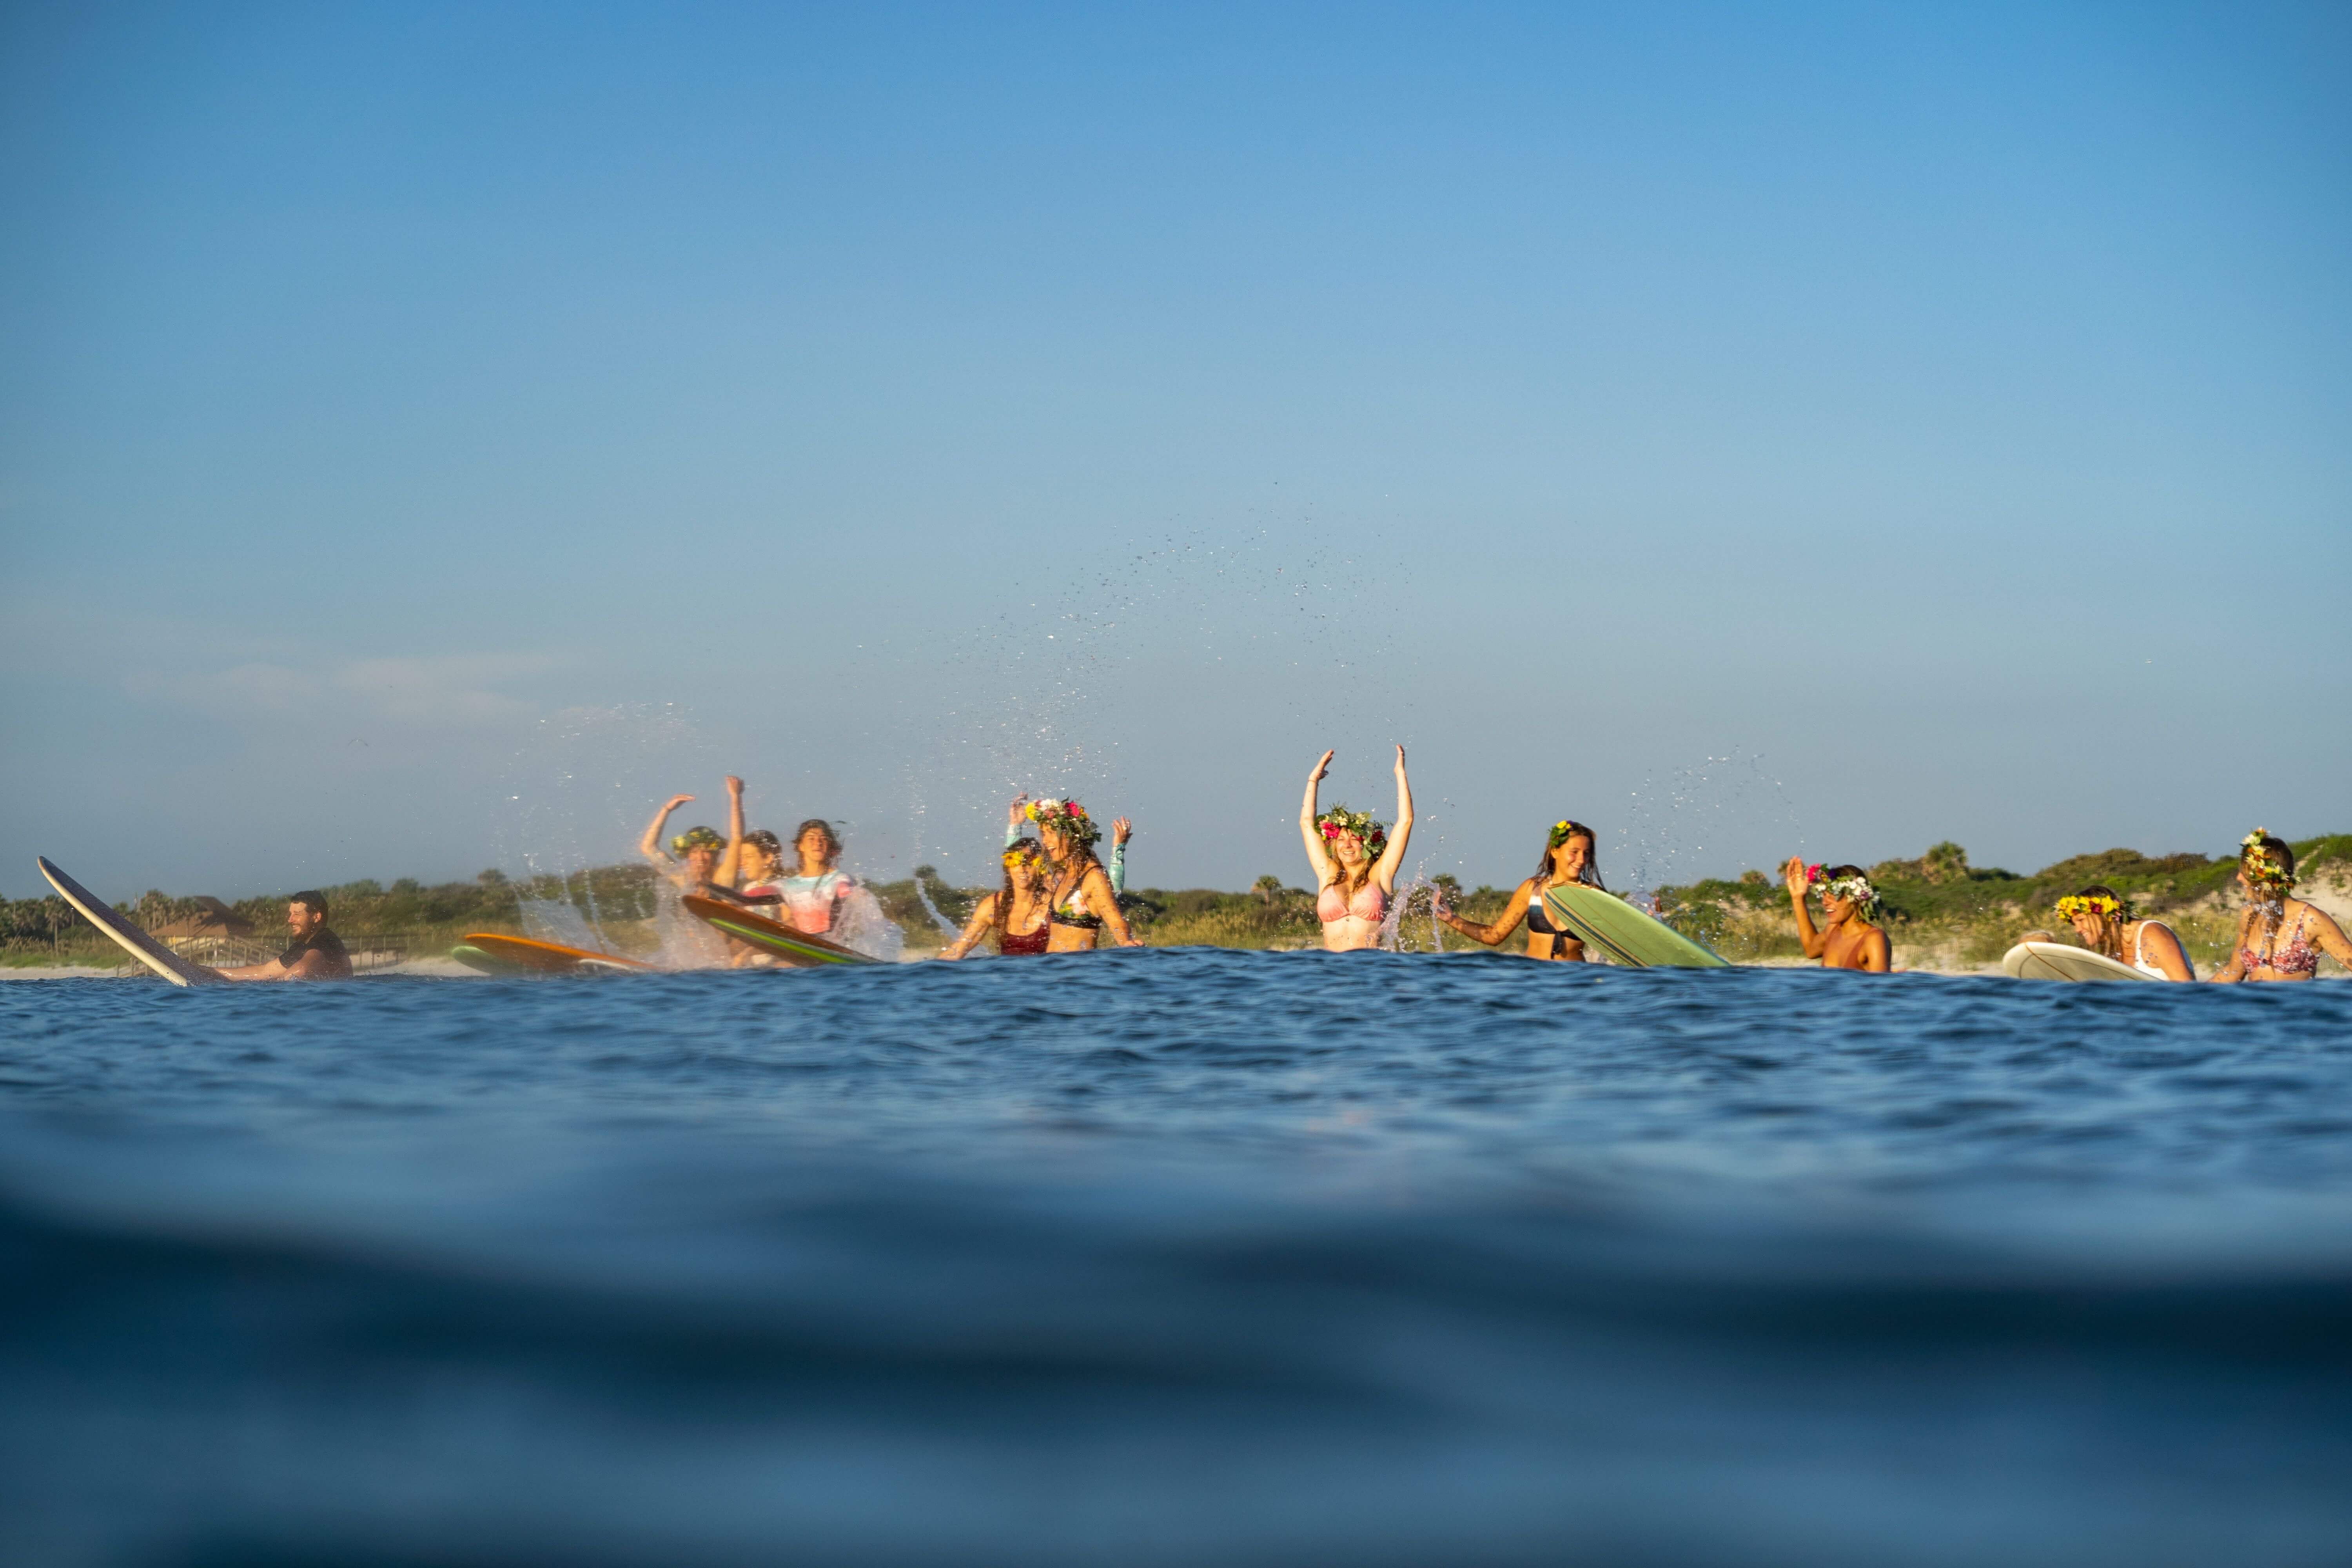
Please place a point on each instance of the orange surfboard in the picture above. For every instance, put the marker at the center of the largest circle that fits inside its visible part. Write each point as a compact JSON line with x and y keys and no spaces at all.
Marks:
{"x":495,"y":954}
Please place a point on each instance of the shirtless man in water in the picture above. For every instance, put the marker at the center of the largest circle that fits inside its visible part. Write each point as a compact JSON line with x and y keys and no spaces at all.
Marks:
{"x":316,"y":952}
{"x":1847,"y":939}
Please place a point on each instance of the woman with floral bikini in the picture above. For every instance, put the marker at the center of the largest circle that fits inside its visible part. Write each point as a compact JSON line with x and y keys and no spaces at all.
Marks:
{"x":1354,"y":860}
{"x":2277,"y":934}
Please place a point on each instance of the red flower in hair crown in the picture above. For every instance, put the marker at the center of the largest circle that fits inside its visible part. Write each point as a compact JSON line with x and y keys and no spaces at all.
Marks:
{"x":1063,"y":816}
{"x":1339,"y":819}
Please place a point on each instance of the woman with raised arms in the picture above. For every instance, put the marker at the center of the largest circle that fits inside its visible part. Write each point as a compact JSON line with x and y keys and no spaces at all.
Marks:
{"x":691,"y":863}
{"x":2105,"y":924}
{"x":1078,"y":897}
{"x":1847,"y":939}
{"x":1355,"y":861}
{"x":1568,"y":859}
{"x":1016,"y":913}
{"x":2279,"y":937}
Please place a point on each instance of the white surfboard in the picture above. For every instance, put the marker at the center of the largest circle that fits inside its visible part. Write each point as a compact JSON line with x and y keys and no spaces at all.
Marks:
{"x":2056,"y":961}
{"x":127,"y":936}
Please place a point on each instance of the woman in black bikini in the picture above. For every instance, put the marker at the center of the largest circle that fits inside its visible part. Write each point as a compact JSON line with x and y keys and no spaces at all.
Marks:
{"x":1015,"y":912}
{"x":1079,"y":891}
{"x":1567,"y":857}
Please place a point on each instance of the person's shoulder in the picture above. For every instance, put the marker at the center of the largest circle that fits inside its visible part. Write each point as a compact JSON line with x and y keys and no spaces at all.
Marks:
{"x":325,"y":939}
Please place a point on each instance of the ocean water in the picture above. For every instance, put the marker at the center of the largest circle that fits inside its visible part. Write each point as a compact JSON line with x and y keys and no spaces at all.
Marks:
{"x":1177,"y":1256}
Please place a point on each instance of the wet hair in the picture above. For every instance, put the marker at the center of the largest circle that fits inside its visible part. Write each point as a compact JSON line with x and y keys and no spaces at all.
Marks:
{"x":1020,"y":848}
{"x":767,"y":843}
{"x":312,"y":900}
{"x":1836,"y":872}
{"x":832,"y":840}
{"x":1591,"y":876}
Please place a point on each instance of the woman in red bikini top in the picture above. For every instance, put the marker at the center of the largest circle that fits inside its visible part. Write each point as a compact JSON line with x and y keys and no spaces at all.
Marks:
{"x":2279,"y":938}
{"x":1016,"y":912}
{"x":1355,"y":862}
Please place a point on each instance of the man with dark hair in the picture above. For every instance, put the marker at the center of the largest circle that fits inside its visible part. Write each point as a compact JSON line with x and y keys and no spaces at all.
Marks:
{"x":1847,"y":939}
{"x":315,"y":953}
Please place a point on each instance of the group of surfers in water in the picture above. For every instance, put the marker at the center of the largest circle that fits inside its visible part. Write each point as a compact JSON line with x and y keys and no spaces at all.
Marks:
{"x":1054,"y":895}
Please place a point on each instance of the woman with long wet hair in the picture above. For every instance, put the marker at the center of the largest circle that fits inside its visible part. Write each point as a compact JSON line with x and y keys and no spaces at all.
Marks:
{"x":2279,"y":937}
{"x":1568,"y":859}
{"x":1355,"y":861}
{"x":2105,"y":922}
{"x":1079,"y":898}
{"x":1016,"y":914}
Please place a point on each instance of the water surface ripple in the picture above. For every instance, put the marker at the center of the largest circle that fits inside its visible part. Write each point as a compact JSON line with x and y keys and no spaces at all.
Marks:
{"x":1177,"y":1256}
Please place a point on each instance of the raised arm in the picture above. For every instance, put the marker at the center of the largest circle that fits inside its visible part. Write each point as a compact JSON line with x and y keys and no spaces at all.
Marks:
{"x":1793,"y":873}
{"x":1120,"y":828}
{"x":731,"y":862}
{"x":1400,"y":836}
{"x":1101,"y":897}
{"x":984,"y":915}
{"x":1316,"y":854}
{"x":1013,"y":820}
{"x":650,"y":846}
{"x":1505,"y":923}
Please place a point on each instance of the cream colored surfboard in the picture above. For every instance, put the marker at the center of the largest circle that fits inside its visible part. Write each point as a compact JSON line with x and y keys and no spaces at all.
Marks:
{"x":2056,"y":961}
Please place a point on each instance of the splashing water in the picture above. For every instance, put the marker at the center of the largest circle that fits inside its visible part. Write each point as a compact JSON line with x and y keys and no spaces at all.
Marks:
{"x":924,"y":896}
{"x":1681,"y":827}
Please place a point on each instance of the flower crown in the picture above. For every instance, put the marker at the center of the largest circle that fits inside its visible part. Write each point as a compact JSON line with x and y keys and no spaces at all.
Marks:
{"x":1561,"y":832}
{"x":696,"y":838}
{"x":1339,"y":819}
{"x":2261,"y":871}
{"x":2074,"y":904}
{"x":1063,"y":816}
{"x":1854,"y":889}
{"x":1024,"y":853}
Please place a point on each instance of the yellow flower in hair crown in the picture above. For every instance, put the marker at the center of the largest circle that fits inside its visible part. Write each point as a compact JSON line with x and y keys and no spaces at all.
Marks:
{"x":2074,"y":904}
{"x":2262,"y":870}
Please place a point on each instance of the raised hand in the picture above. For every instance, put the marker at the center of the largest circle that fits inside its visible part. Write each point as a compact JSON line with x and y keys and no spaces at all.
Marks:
{"x":1321,"y":768}
{"x":734,"y":785}
{"x":1794,"y":874}
{"x":1013,"y":812}
{"x":1399,"y":762}
{"x":1120,"y":828}
{"x":675,"y":801}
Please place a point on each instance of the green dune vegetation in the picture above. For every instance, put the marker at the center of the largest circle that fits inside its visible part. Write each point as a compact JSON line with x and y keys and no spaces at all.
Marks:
{"x":1941,"y":911}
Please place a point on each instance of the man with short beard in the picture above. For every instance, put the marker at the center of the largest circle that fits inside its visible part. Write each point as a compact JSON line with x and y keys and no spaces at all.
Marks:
{"x":315,"y":953}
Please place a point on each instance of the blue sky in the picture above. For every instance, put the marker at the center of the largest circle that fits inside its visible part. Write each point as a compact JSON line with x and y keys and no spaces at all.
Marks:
{"x":429,"y":436}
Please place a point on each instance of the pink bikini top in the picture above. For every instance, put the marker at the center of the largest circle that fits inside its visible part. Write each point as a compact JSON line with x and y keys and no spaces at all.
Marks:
{"x":1369,"y":904}
{"x":2296,"y":958}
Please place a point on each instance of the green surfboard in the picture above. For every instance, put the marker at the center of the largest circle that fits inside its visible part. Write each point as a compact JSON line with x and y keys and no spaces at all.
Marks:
{"x":1623,"y":934}
{"x":794,"y":946}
